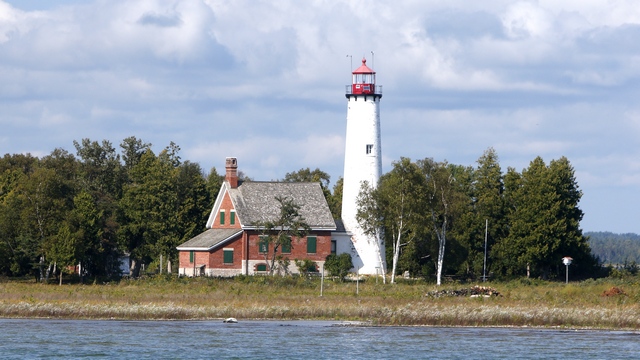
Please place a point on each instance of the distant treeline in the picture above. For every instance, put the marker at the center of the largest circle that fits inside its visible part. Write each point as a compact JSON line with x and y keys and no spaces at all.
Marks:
{"x":615,"y":249}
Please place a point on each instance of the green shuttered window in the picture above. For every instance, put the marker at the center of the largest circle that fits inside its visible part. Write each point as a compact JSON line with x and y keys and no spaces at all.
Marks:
{"x":311,"y":244}
{"x":232,"y":218}
{"x":263,"y":244}
{"x":286,"y":246}
{"x":221,"y":217}
{"x":227,"y":256}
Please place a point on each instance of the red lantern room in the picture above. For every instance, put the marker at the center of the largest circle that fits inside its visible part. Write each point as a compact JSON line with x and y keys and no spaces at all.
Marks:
{"x":364,"y":81}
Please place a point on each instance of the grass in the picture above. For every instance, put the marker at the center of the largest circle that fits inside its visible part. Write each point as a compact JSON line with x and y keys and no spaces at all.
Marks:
{"x":522,"y":302}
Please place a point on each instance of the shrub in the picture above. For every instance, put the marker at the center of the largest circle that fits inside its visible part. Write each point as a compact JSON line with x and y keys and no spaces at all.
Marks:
{"x":338,"y":265}
{"x":306,"y":266}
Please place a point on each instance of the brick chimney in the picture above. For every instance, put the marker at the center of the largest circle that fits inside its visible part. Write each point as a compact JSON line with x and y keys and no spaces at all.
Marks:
{"x":231,"y":165}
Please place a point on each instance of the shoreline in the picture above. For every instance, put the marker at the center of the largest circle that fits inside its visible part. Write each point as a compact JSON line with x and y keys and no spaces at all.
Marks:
{"x":348,"y":323}
{"x":455,"y":315}
{"x":541,"y":305}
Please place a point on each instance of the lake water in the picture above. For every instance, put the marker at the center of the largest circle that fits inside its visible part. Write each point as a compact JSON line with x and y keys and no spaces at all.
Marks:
{"x":20,"y":339}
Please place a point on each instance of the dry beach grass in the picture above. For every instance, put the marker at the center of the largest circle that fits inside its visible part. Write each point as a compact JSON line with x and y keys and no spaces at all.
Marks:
{"x":521,"y":303}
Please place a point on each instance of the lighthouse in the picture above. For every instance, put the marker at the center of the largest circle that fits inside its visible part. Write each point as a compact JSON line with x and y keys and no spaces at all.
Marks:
{"x":362,"y":162}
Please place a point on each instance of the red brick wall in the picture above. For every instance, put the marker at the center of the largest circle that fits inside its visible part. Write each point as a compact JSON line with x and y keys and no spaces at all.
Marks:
{"x":298,"y":247}
{"x":226,"y":206}
{"x":183,"y":259}
{"x":216,"y":257}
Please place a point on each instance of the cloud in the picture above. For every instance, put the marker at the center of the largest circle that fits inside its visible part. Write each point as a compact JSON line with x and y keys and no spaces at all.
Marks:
{"x":272,"y":157}
{"x":265,"y":81}
{"x":161,"y":20}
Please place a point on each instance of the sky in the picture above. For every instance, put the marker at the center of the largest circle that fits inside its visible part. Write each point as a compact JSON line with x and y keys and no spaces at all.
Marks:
{"x":264,"y":81}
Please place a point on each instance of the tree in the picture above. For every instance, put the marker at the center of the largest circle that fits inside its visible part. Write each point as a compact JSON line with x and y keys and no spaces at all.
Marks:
{"x":102,"y":177}
{"x":62,"y":249}
{"x":544,"y":220}
{"x":46,"y":198}
{"x":132,"y":151}
{"x":308,"y":175}
{"x":395,"y":209}
{"x":444,"y":203}
{"x":280,"y":231}
{"x":148,"y":210}
{"x":338,"y":265}
{"x":214,"y":182}
{"x":335,"y":200}
{"x":485,"y":213}
{"x":99,"y":167}
{"x":192,"y":206}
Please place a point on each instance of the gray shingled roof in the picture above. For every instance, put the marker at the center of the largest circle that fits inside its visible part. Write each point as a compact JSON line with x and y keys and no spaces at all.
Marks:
{"x":256,"y":202}
{"x":209,"y":239}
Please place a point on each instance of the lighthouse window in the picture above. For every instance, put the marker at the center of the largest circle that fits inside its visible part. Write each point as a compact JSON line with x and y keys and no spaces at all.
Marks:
{"x":369,"y":148}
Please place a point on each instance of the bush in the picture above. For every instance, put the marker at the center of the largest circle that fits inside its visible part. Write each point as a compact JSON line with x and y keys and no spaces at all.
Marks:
{"x":338,"y":265}
{"x":306,"y":266}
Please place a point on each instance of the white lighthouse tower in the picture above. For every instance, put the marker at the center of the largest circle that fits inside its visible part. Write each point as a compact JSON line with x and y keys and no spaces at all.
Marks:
{"x":362,"y":162}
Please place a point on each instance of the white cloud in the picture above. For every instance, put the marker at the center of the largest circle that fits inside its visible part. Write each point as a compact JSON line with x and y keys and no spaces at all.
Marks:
{"x":526,"y":19}
{"x":264,"y":81}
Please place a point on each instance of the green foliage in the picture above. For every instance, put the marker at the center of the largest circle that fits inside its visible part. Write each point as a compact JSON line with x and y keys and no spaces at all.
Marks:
{"x":484,"y":216}
{"x":308,"y":175}
{"x":544,"y":220}
{"x":62,"y":249}
{"x":306,"y":266}
{"x":338,"y":265}
{"x":395,"y":209}
{"x":335,"y":201}
{"x":531,"y":219}
{"x":150,"y":203}
{"x":214,"y":182}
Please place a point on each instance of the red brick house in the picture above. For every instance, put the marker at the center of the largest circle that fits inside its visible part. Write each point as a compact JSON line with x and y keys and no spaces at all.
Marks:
{"x":231,"y":244}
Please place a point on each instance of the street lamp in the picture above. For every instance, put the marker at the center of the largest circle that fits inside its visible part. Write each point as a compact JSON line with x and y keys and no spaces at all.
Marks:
{"x":567,"y":261}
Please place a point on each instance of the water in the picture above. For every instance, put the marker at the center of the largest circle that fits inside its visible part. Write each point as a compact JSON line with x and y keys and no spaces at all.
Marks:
{"x":20,"y":339}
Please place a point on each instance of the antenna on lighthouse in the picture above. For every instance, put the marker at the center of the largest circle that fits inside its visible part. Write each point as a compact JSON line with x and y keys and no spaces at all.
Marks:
{"x":373,"y":63}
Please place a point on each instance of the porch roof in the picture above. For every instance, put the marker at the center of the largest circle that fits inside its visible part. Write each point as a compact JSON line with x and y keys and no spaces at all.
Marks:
{"x":210,"y":239}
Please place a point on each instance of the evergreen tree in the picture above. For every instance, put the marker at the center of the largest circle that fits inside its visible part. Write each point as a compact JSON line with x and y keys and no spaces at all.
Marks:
{"x":485,"y":215}
{"x":544,"y":221}
{"x":335,"y":200}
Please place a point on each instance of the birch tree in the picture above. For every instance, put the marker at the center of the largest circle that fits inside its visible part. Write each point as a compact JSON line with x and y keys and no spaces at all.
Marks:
{"x":444,"y":201}
{"x":395,"y":208}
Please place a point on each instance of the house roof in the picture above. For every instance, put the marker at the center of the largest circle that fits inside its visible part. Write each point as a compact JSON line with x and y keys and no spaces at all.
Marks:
{"x":210,"y":239}
{"x":255,"y":202}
